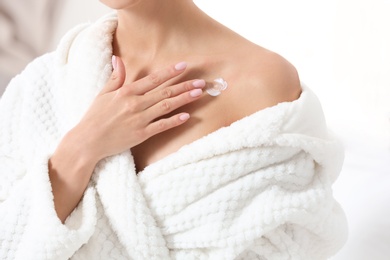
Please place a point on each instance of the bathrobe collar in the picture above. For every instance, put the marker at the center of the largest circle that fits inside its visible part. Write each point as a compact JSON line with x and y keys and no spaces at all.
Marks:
{"x":84,"y":66}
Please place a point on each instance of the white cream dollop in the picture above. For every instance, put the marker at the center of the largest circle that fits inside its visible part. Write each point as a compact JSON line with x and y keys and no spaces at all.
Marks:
{"x":216,"y":88}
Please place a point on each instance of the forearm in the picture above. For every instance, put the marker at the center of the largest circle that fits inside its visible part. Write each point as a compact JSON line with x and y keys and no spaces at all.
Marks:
{"x":70,"y":169}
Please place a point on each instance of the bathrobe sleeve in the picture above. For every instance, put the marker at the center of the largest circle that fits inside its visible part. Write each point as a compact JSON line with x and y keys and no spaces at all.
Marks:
{"x":29,"y":226}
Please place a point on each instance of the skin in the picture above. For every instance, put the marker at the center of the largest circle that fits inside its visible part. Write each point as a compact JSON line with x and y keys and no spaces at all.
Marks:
{"x":146,"y":104}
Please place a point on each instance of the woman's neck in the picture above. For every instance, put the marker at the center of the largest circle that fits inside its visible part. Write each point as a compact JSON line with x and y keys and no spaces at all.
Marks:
{"x":155,"y":30}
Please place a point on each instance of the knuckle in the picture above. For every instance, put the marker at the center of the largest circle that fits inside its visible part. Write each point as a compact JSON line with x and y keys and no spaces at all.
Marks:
{"x":165,"y":106}
{"x":161,"y":125}
{"x":172,"y":71}
{"x":125,"y":91}
{"x":132,"y":106}
{"x":121,"y":92}
{"x":166,"y":93}
{"x":114,"y":76}
{"x":155,"y":78}
{"x":142,"y":134}
{"x":188,"y":86}
{"x":138,"y":124}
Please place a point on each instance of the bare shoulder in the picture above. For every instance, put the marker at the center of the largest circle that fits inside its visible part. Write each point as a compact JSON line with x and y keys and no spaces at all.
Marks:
{"x":265,"y":79}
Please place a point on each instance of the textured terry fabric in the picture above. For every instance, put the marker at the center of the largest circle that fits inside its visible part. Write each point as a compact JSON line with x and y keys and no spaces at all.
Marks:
{"x":258,"y":189}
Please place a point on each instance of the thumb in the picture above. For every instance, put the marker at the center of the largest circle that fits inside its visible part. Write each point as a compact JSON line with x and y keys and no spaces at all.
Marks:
{"x":117,"y":77}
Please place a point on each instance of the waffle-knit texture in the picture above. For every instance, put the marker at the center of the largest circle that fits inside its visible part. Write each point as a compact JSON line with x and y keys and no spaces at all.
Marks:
{"x":258,"y":189}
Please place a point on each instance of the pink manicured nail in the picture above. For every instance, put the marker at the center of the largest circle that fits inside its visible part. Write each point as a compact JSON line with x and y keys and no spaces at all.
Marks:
{"x":200,"y":83}
{"x":181,"y":65}
{"x":195,"y":92}
{"x":184,"y":117}
{"x":114,"y":62}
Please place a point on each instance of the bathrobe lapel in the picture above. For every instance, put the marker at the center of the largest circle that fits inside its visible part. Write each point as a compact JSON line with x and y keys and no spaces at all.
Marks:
{"x":84,"y":66}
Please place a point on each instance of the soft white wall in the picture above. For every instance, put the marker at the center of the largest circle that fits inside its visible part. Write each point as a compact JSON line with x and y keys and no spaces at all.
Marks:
{"x":28,"y":30}
{"x":340,"y":48}
{"x":75,"y":12}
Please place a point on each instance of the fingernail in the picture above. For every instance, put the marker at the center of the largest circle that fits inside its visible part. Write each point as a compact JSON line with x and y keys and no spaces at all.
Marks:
{"x":195,"y":92}
{"x":184,"y":117}
{"x":181,"y":65}
{"x":200,"y":83}
{"x":114,"y":62}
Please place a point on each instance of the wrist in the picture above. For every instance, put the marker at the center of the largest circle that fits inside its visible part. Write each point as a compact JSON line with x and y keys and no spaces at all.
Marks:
{"x":80,"y":142}
{"x":70,"y":170}
{"x":74,"y":155}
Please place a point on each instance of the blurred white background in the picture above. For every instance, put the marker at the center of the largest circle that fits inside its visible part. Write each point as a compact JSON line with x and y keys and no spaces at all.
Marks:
{"x":341,"y":49}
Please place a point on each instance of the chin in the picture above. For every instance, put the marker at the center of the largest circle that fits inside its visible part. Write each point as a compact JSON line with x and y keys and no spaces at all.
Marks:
{"x":120,"y":4}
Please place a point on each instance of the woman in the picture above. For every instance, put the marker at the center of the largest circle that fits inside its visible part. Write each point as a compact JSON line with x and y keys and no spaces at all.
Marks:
{"x":134,"y":161}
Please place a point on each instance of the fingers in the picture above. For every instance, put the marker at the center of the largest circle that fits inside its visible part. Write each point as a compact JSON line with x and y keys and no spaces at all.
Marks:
{"x":157,"y":78}
{"x":172,"y":91}
{"x":166,"y":124}
{"x":170,"y":104}
{"x":117,"y":77}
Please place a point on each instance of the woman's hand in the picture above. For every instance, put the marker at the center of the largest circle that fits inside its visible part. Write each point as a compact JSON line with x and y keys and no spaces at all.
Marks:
{"x":124,"y":115}
{"x":120,"y":117}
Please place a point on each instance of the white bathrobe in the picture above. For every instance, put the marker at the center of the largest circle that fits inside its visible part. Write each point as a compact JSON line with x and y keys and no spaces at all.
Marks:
{"x":257,"y":189}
